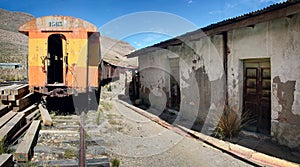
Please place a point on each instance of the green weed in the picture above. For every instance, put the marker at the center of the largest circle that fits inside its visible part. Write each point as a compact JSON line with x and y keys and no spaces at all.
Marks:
{"x":4,"y":148}
{"x":70,"y":153}
{"x":115,"y":162}
{"x":105,"y":105}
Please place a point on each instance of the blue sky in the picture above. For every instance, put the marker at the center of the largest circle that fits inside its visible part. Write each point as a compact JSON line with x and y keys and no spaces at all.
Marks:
{"x":141,"y":22}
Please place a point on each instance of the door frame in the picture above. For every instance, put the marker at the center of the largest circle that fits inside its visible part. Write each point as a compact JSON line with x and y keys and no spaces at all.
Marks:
{"x":63,"y":58}
{"x":263,"y":63}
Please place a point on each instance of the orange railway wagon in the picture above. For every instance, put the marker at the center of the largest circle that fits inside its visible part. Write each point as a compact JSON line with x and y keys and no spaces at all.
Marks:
{"x":63,"y":55}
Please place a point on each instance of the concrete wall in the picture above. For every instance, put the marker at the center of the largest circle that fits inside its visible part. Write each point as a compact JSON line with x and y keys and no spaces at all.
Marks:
{"x":278,"y":40}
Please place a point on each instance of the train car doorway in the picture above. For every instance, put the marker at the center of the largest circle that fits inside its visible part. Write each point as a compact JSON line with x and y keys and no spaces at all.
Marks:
{"x":55,"y":59}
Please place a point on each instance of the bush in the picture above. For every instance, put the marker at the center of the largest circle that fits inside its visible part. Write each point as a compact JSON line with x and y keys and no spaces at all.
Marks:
{"x":229,"y":124}
{"x":109,"y":89}
{"x":115,"y":162}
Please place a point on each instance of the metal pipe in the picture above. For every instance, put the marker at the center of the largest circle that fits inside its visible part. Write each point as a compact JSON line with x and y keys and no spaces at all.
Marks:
{"x":82,"y":142}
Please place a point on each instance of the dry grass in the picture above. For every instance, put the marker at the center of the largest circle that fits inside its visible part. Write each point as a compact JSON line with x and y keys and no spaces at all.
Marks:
{"x":99,"y":116}
{"x":105,"y":105}
{"x":230,"y":124}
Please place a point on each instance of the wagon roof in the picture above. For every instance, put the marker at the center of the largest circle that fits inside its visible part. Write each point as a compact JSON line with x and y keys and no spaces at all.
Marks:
{"x":57,"y":24}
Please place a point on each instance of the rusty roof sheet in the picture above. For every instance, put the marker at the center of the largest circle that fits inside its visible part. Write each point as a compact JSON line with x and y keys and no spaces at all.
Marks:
{"x":270,"y":8}
{"x":178,"y":40}
{"x":120,"y":64}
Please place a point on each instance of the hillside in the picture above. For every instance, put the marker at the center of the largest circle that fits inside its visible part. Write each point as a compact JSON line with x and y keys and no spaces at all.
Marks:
{"x":11,"y":21}
{"x":114,"y":51}
{"x":14,"y":45}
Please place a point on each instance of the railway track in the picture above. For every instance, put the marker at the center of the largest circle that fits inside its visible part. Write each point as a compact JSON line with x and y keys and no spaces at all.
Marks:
{"x":22,"y":114}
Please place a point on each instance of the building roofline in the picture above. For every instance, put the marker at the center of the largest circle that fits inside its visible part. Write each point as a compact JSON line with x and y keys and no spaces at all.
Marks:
{"x":278,"y":10}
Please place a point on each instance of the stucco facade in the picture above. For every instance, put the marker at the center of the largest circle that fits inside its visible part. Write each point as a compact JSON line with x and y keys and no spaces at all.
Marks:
{"x":212,"y":72}
{"x":278,"y":40}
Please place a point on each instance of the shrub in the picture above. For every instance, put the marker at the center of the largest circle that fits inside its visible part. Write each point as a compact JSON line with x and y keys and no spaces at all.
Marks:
{"x":109,"y":89}
{"x":230,"y":124}
{"x":115,"y":162}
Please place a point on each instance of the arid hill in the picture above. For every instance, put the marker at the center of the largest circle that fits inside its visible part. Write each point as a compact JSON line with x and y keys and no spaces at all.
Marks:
{"x":114,"y":51}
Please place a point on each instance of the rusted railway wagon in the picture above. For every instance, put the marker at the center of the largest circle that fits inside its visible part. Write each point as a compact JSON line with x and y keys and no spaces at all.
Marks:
{"x":63,"y":55}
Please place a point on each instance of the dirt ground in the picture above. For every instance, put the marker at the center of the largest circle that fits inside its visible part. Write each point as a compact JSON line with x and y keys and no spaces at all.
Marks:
{"x":135,"y":140}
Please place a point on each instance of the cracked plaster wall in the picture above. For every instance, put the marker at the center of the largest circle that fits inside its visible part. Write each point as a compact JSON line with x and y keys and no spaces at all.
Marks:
{"x":201,"y":76}
{"x":278,"y":40}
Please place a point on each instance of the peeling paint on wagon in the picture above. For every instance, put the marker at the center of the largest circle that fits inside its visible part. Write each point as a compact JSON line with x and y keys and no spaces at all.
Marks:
{"x":79,"y":40}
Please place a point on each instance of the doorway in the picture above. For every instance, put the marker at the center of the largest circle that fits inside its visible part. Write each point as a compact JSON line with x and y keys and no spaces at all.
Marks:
{"x":55,"y":59}
{"x":257,"y":95}
{"x":174,"y":101}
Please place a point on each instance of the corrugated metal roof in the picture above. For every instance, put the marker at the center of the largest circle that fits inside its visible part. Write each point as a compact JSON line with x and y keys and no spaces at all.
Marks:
{"x":120,"y":64}
{"x":213,"y":26}
{"x":270,"y":8}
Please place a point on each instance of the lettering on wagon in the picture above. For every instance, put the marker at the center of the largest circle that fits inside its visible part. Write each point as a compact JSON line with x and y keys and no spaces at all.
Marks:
{"x":55,"y":23}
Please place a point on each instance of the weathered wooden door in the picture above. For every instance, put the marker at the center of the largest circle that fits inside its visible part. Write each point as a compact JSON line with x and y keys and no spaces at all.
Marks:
{"x":257,"y":95}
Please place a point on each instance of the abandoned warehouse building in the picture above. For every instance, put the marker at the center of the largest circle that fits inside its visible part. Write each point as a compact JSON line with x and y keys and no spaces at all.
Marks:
{"x":250,"y":63}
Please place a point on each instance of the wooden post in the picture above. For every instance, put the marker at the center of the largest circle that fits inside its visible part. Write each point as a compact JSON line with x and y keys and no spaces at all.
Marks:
{"x":33,"y":116}
{"x":24,"y":151}
{"x":19,"y":90}
{"x":25,"y":101}
{"x":29,"y":110}
{"x":6,"y":118}
{"x":17,"y":96}
{"x":11,"y":127}
{"x":6,"y":160}
{"x":45,"y":115}
{"x":3,"y":109}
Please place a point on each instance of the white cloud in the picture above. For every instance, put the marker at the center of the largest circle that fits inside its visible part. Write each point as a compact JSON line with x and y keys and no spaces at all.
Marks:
{"x":189,"y":1}
{"x":137,"y":44}
{"x":227,"y":6}
{"x":152,"y":38}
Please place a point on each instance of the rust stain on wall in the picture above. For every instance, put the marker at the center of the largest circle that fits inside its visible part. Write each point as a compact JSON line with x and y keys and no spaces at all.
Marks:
{"x":285,"y":95}
{"x":147,"y":90}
